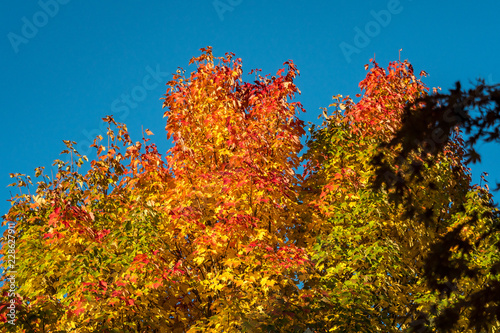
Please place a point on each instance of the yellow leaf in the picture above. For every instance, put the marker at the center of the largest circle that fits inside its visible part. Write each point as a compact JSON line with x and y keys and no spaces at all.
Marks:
{"x":198,"y":260}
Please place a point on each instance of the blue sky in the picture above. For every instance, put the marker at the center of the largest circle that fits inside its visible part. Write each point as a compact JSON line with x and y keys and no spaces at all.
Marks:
{"x":66,"y":64}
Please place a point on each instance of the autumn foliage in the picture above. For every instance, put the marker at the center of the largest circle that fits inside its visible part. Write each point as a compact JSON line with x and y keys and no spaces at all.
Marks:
{"x":224,"y":234}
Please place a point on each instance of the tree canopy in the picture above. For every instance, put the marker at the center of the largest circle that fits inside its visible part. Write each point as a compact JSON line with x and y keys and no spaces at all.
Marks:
{"x":223,"y":233}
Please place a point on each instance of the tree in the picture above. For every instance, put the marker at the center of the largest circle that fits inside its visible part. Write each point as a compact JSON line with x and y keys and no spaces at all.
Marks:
{"x":428,"y":123}
{"x":371,"y":254}
{"x":206,"y":240}
{"x":381,"y":260}
{"x":223,"y":234}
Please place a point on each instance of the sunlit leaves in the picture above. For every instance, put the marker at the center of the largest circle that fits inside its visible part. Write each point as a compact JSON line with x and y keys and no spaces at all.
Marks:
{"x":221,"y":235}
{"x":205,"y":238}
{"x":370,"y":253}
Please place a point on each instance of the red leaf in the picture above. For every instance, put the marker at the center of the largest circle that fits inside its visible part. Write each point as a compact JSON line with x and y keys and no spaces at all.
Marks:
{"x":103,"y":285}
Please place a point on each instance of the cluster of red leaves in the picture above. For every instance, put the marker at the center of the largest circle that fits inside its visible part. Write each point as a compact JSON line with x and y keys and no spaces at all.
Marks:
{"x":386,"y":93}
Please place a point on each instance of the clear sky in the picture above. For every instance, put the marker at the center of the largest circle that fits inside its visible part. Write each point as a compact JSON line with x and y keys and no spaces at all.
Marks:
{"x":66,"y":64}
